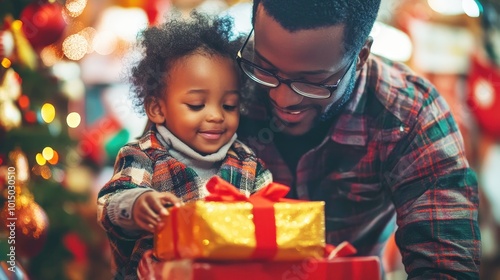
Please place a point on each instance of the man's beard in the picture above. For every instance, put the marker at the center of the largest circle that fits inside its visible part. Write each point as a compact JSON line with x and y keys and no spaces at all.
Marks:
{"x":334,"y":109}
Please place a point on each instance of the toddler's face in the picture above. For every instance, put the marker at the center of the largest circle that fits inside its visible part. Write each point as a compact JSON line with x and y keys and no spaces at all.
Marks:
{"x":201,"y":101}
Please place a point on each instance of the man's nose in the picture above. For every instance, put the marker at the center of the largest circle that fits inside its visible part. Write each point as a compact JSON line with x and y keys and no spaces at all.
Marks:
{"x":284,"y":96}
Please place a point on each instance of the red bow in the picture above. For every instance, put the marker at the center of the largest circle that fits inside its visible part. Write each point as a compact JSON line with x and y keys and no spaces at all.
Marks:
{"x":221,"y":190}
{"x":263,"y":211}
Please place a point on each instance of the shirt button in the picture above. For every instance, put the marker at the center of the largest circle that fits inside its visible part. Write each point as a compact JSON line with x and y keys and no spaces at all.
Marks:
{"x":124,"y":213}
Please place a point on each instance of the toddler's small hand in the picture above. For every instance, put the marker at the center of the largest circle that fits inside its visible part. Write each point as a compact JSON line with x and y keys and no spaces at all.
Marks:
{"x":150,"y":207}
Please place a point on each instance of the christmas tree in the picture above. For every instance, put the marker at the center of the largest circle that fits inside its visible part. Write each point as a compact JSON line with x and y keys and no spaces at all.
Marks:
{"x":47,"y":210}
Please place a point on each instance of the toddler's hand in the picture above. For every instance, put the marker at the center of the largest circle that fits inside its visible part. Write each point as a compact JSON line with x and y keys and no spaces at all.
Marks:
{"x":150,"y":206}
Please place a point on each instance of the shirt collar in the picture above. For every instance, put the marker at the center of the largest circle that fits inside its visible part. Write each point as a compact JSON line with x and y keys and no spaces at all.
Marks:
{"x":351,"y":126}
{"x":170,"y":141}
{"x":150,"y":140}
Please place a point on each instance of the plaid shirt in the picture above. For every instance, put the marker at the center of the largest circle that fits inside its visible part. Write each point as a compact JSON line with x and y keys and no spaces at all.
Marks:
{"x":392,"y":155}
{"x":147,"y":164}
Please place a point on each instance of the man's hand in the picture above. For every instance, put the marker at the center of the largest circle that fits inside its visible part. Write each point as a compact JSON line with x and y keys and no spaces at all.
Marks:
{"x":150,"y":207}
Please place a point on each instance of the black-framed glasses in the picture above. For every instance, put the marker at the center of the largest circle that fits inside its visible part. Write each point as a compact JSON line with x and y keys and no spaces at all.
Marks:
{"x":266,"y":78}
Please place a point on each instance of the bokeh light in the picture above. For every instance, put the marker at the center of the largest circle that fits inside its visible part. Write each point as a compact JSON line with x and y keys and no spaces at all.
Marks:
{"x":48,"y":112}
{"x":45,"y":172}
{"x":88,"y":33}
{"x":51,"y":55}
{"x":73,"y":119}
{"x":6,"y":63}
{"x":75,"y":47}
{"x":75,"y":7}
{"x":55,"y":158}
{"x":24,"y":102}
{"x":40,"y":159}
{"x":48,"y":153}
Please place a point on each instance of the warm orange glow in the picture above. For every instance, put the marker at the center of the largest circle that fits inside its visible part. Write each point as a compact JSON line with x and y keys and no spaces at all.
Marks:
{"x":6,"y":63}
{"x":36,"y":169}
{"x":16,"y":25}
{"x":45,"y":172}
{"x":54,"y":159}
{"x":50,"y":55}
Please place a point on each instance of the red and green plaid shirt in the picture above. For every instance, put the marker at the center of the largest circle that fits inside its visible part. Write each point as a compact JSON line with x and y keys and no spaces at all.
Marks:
{"x":394,"y":155}
{"x":147,"y":164}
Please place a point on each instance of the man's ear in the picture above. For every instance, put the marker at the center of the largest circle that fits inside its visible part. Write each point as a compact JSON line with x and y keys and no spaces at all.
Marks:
{"x":154,"y":111}
{"x":364,"y":53}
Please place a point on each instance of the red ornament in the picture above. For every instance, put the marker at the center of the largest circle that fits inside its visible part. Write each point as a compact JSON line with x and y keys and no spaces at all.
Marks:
{"x":43,"y":23}
{"x":484,"y":96}
{"x":30,"y":228}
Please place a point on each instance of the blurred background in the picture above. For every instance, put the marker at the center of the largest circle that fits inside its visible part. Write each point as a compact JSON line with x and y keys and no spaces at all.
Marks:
{"x":65,"y":111}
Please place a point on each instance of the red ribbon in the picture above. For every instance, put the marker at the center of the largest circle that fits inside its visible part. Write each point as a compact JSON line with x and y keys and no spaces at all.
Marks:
{"x":263,"y":211}
{"x":175,"y":234}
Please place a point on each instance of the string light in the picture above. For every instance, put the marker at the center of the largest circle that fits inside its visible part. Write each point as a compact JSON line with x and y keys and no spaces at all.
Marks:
{"x":48,"y":153}
{"x":45,"y":172}
{"x":73,"y":119}
{"x":55,"y":158}
{"x":24,"y":102}
{"x":40,"y":159}
{"x":75,"y":47}
{"x":75,"y":7}
{"x":456,"y":7}
{"x":16,"y":25}
{"x":48,"y":112}
{"x":471,"y":8}
{"x":6,"y":63}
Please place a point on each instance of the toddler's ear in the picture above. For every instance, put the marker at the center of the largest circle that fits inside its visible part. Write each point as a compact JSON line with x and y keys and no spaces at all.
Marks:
{"x":154,"y":111}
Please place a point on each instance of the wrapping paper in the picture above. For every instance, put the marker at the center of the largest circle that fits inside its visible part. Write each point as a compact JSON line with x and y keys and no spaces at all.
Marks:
{"x":230,"y":226}
{"x":341,"y":268}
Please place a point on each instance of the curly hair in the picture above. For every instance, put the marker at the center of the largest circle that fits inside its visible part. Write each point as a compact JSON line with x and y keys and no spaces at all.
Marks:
{"x":293,"y":15}
{"x":165,"y":44}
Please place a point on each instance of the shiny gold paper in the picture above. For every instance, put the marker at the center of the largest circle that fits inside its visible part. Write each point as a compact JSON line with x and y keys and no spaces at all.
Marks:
{"x":225,"y":231}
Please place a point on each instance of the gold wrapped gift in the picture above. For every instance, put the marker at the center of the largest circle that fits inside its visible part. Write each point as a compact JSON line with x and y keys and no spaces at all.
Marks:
{"x":230,"y":229}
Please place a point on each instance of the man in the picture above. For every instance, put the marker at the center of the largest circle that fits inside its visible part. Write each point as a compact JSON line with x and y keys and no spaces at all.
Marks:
{"x":369,"y":137}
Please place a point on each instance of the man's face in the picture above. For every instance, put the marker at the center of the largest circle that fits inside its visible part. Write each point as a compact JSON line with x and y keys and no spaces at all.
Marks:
{"x":314,"y":55}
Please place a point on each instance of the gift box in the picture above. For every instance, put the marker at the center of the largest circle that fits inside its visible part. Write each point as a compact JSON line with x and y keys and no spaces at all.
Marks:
{"x":341,"y":268}
{"x":227,"y":225}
